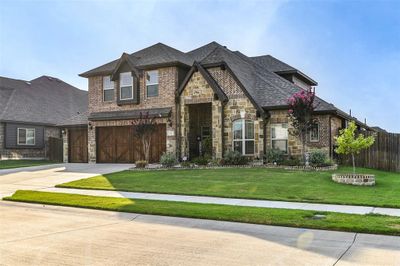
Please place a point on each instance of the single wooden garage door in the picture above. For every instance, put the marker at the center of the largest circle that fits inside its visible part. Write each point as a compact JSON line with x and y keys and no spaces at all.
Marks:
{"x":120,"y":145}
{"x":78,"y":145}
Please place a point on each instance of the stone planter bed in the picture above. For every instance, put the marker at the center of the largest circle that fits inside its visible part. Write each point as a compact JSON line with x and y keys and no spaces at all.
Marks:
{"x":354,"y":179}
{"x":286,"y":167}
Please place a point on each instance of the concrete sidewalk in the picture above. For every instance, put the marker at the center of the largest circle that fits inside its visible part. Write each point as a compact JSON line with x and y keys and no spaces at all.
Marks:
{"x":350,"y":209}
{"x":33,"y":234}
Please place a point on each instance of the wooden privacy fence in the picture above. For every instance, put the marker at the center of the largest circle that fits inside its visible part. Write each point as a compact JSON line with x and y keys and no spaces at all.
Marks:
{"x":384,"y":154}
{"x":55,"y":149}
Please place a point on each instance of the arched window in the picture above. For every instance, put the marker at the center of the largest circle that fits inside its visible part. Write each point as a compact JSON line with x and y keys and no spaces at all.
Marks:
{"x":243,"y":136}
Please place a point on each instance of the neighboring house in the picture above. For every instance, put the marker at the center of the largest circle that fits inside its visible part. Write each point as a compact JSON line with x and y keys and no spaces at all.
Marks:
{"x":30,"y":111}
{"x":238,"y":102}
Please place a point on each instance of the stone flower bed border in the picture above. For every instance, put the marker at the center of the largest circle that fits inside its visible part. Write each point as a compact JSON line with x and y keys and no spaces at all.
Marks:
{"x":354,"y":179}
{"x":286,"y":167}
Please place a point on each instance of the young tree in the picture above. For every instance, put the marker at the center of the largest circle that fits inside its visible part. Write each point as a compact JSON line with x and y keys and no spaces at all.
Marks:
{"x":144,"y":128}
{"x":348,"y":143}
{"x":301,"y":108}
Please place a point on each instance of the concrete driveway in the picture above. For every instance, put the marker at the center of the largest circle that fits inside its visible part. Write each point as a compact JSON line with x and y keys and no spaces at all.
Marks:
{"x":49,"y":235}
{"x":40,"y":177}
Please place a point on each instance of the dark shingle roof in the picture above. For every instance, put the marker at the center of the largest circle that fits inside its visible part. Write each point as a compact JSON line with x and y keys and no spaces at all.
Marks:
{"x":44,"y":100}
{"x":153,"y":55}
{"x":200,"y":53}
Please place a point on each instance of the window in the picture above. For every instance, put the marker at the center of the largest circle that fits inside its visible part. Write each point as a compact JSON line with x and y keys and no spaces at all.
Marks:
{"x":108,"y":89}
{"x":26,"y":136}
{"x":125,"y":86}
{"x":152,"y":83}
{"x":243,"y":136}
{"x":314,"y":133}
{"x":279,"y":137}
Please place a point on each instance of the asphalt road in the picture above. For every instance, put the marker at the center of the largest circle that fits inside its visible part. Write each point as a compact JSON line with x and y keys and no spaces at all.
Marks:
{"x":48,"y":235}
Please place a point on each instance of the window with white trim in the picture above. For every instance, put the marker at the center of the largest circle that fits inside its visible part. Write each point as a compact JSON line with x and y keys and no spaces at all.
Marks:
{"x":152,"y":83}
{"x":243,"y":136}
{"x":26,"y":136}
{"x":279,"y":137}
{"x":108,"y":89}
{"x":314,"y":132}
{"x":125,"y":86}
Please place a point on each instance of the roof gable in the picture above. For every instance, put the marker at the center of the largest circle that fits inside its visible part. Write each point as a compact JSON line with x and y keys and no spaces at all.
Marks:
{"x":213,"y":84}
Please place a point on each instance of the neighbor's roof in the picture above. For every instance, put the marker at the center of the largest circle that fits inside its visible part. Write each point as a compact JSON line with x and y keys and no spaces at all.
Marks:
{"x":44,"y":100}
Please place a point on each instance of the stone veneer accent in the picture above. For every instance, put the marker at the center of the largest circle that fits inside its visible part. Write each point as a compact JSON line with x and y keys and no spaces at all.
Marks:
{"x":34,"y":153}
{"x":168,"y":84}
{"x":354,"y":179}
{"x":197,"y":90}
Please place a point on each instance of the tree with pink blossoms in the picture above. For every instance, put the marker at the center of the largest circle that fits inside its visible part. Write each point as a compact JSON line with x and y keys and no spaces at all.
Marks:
{"x":301,"y":109}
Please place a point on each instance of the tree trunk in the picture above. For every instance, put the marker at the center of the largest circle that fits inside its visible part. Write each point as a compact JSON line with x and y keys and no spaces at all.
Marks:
{"x":354,"y":163}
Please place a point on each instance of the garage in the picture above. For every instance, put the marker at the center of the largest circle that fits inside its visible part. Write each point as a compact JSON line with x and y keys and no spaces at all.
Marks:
{"x":120,"y":145}
{"x":78,"y":145}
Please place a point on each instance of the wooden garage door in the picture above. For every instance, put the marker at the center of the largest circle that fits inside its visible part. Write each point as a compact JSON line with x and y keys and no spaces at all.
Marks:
{"x":120,"y":145}
{"x":78,"y":145}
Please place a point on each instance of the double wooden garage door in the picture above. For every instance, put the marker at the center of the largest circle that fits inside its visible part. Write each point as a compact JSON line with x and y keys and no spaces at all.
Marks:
{"x":120,"y":145}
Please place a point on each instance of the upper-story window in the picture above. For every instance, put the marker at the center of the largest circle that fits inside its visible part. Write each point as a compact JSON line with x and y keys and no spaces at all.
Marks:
{"x":125,"y":86}
{"x":243,"y":136}
{"x":314,"y":133}
{"x":152,"y":83}
{"x":26,"y":136}
{"x":108,"y":89}
{"x":279,"y":137}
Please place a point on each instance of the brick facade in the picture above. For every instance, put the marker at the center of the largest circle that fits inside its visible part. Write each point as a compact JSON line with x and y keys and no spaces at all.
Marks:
{"x":168,"y":84}
{"x":31,"y":153}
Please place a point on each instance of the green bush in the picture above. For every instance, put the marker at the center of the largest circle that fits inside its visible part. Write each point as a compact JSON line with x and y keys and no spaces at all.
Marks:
{"x":168,"y":159}
{"x":186,"y":164}
{"x":274,"y":156}
{"x":235,"y":158}
{"x":141,"y":164}
{"x":206,"y":146}
{"x":292,"y":161}
{"x":201,"y":160}
{"x":317,"y":158}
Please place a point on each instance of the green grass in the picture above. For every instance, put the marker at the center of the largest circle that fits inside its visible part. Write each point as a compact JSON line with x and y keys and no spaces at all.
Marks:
{"x":8,"y":164}
{"x":253,"y":183}
{"x":377,"y":224}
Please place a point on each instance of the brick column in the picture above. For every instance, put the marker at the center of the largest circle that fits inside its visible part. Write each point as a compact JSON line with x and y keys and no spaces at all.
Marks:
{"x":216,"y":129}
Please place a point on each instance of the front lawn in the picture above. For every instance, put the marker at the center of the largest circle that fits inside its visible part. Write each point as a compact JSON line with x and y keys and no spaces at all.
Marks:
{"x":377,"y":224}
{"x":8,"y":164}
{"x":253,"y":183}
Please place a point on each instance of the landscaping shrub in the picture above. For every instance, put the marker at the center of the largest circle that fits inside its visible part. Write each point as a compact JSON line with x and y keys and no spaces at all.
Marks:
{"x":274,"y":156}
{"x":201,"y":160}
{"x":141,"y":164}
{"x":292,"y":161}
{"x":168,"y":159}
{"x":317,"y":158}
{"x":186,"y":164}
{"x":235,"y":158}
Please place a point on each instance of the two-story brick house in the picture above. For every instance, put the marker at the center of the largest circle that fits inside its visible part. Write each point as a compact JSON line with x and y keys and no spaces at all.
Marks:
{"x":239,"y":102}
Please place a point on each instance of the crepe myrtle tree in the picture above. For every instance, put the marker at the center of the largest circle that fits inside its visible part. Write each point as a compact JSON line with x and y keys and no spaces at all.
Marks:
{"x":301,"y":109}
{"x":348,"y":143}
{"x":144,"y":127}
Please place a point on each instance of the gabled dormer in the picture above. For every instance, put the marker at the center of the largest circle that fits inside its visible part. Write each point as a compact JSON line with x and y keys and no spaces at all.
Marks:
{"x":127,"y":78}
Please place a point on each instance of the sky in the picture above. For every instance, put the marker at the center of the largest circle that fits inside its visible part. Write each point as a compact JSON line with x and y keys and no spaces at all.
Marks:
{"x":352,"y":48}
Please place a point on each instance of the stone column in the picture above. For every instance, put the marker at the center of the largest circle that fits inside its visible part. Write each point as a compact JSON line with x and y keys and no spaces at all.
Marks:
{"x":216,"y":129}
{"x":92,"y":144}
{"x":65,"y":146}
